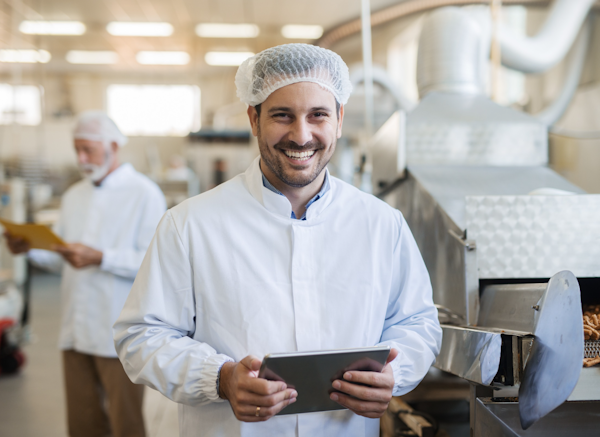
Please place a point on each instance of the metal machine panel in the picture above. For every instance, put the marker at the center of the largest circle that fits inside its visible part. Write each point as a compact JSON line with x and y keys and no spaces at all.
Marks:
{"x":458,"y":129}
{"x":510,"y":306}
{"x":432,"y":199}
{"x":587,"y":385}
{"x":450,"y":259}
{"x":556,"y":356}
{"x":501,"y":419}
{"x":535,"y":236}
{"x":450,"y":185}
{"x":470,"y":353}
{"x":388,"y":150}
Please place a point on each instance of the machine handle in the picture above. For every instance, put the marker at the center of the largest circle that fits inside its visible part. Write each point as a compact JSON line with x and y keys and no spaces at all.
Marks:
{"x":469,"y":244}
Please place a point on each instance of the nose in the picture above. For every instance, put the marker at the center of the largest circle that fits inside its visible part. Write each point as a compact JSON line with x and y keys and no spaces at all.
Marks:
{"x":82,"y":158}
{"x":301,"y":132}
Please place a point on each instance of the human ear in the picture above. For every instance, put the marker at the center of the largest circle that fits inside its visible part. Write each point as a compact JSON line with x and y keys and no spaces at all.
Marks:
{"x":340,"y":122}
{"x":253,"y":117}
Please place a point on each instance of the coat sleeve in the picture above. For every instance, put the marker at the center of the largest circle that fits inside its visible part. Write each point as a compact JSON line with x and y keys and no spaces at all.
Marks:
{"x":411,"y":325}
{"x":125,"y":262}
{"x":46,"y":259}
{"x":153,"y":333}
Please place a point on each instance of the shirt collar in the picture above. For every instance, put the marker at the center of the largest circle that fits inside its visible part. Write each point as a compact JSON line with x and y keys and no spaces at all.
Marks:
{"x":321,"y":193}
{"x":278,"y":204}
{"x":116,"y":177}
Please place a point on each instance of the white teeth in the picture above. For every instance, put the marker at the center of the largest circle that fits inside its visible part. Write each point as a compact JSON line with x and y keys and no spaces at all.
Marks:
{"x":299,"y":156}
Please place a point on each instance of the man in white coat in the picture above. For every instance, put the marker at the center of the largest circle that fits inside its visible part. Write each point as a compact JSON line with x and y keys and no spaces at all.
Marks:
{"x":108,"y":220}
{"x":284,"y":257}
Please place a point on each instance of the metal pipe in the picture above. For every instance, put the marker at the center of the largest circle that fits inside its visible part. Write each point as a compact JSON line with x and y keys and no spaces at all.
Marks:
{"x":405,"y":9}
{"x":576,"y":62}
{"x":380,"y":76}
{"x":540,"y":52}
{"x":368,"y":66}
{"x":495,"y":50}
{"x":453,"y":51}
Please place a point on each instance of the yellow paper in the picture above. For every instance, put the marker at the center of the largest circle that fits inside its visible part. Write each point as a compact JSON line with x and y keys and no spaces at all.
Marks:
{"x":38,"y":236}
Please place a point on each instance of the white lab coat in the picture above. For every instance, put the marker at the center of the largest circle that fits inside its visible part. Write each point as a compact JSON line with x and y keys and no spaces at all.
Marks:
{"x":118,"y":218}
{"x":229,"y":273}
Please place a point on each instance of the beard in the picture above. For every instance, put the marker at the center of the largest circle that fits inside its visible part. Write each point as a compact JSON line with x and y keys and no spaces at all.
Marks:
{"x":95,"y":172}
{"x":293,"y":176}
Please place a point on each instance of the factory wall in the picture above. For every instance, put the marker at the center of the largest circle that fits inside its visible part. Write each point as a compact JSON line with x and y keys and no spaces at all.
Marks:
{"x":67,"y":94}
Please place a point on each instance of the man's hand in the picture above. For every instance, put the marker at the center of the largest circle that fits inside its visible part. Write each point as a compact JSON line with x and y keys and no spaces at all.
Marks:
{"x":246,"y":392}
{"x":16,"y":245}
{"x":369,"y":400}
{"x":79,"y":255}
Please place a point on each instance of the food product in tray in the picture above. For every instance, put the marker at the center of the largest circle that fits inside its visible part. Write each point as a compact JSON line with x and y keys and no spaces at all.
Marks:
{"x":591,"y":334}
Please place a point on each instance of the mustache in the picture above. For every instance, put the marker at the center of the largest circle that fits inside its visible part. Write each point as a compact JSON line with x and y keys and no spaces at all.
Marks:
{"x":290,"y":145}
{"x":88,"y":167}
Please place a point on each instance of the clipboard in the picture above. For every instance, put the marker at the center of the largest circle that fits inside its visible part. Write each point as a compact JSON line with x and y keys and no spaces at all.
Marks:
{"x":38,"y":236}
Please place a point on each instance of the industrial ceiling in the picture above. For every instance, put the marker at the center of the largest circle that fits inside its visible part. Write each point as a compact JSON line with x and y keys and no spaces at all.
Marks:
{"x":184,"y":15}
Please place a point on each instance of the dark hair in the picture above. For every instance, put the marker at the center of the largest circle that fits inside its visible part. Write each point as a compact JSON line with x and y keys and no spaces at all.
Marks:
{"x":337,"y":108}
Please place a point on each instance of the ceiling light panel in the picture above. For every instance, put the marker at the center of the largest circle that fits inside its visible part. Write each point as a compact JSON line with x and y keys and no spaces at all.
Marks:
{"x":232,"y":59}
{"x":92,"y":57}
{"x":25,"y":56}
{"x":301,"y":31}
{"x":52,"y":27}
{"x":162,"y":58}
{"x":122,"y":28}
{"x":221,"y":30}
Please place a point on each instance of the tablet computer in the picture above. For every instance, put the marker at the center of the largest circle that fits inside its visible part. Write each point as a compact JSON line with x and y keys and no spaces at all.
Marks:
{"x":312,"y":373}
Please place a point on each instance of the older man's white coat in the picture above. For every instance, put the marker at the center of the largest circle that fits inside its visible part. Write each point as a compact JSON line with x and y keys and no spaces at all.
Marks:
{"x":118,"y":218}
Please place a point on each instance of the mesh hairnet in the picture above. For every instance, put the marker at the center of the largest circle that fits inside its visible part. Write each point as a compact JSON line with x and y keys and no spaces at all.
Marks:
{"x":284,"y":65}
{"x":97,"y":126}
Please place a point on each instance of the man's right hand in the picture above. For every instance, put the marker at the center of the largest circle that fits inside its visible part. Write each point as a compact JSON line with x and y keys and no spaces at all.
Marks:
{"x":16,"y":245}
{"x":240,"y":385}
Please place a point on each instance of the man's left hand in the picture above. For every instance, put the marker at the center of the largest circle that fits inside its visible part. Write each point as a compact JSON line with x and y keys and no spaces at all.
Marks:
{"x":79,"y":255}
{"x":369,"y":400}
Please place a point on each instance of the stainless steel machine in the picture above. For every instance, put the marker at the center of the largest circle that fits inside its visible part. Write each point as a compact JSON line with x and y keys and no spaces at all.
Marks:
{"x":512,"y":251}
{"x":512,"y":248}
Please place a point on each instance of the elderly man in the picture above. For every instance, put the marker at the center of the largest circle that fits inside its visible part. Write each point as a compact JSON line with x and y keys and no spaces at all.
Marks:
{"x":284,"y":257}
{"x":108,"y":219}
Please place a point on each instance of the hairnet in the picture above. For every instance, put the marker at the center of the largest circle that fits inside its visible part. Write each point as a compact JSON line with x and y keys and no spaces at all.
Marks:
{"x":97,"y":126}
{"x":284,"y":65}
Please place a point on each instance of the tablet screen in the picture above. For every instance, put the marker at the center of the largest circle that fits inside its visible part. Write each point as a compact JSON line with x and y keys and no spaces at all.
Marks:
{"x":312,"y":373}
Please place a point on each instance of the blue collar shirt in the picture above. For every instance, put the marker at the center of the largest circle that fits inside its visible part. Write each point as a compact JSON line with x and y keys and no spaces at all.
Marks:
{"x":324,"y":189}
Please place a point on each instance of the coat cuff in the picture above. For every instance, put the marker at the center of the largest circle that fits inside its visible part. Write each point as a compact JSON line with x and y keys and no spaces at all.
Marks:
{"x":397,"y":375}
{"x":107,"y":260}
{"x":209,"y":375}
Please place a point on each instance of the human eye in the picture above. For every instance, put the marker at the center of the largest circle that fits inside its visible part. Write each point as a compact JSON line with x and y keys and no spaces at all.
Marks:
{"x":319,"y":115}
{"x":282,"y":116}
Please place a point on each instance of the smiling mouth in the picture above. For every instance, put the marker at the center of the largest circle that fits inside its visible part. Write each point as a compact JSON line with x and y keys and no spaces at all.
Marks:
{"x":299,"y":156}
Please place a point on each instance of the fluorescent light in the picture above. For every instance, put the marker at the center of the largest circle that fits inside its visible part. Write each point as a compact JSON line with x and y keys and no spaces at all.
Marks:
{"x":219,"y":30}
{"x":92,"y":57}
{"x":162,"y":58}
{"x":232,"y":59}
{"x":301,"y":31}
{"x":25,"y":56}
{"x":121,"y":28}
{"x":52,"y":27}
